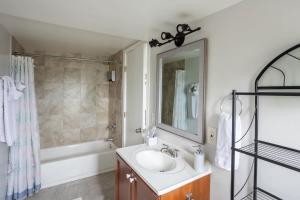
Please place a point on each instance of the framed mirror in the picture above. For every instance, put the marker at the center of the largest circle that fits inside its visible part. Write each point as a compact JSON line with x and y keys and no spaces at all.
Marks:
{"x":181,"y":74}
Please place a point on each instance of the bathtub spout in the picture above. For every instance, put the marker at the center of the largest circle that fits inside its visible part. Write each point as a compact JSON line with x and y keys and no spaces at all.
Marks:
{"x":109,"y":140}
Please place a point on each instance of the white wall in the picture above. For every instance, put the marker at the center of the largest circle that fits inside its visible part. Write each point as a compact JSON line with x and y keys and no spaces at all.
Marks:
{"x":241,"y":41}
{"x":5,"y":49}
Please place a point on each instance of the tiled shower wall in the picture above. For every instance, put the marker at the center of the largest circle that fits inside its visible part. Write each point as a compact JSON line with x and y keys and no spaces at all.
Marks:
{"x":72,"y":100}
{"x":115,"y":96}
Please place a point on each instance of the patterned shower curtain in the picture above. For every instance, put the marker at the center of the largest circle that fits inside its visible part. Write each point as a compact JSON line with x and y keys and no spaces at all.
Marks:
{"x":24,"y":160}
{"x":180,"y":102}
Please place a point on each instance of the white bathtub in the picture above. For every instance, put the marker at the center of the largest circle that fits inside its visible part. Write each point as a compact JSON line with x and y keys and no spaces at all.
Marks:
{"x":68,"y":163}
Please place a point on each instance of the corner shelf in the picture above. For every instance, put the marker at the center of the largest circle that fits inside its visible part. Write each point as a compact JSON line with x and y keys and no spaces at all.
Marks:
{"x":273,"y":153}
{"x":261,"y":194}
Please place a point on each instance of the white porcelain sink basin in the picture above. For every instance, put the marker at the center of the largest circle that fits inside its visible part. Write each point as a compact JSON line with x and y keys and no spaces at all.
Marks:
{"x":155,"y":160}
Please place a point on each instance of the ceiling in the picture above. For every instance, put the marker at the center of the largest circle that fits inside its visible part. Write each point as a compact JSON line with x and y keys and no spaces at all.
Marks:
{"x":53,"y":39}
{"x":57,"y":21}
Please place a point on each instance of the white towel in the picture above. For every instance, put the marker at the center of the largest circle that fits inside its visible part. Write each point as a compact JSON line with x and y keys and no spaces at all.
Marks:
{"x":193,"y":100}
{"x":223,"y":152}
{"x":8,"y":100}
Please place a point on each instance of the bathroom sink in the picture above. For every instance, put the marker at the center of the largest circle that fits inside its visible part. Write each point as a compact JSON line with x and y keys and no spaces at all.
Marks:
{"x":155,"y":160}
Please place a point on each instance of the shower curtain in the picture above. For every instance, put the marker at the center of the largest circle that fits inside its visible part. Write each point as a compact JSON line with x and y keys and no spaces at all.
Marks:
{"x":24,"y":159}
{"x":180,"y":103}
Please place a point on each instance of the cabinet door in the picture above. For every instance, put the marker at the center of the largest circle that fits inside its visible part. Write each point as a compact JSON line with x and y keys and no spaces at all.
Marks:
{"x":142,"y":191}
{"x":123,"y":186}
{"x":201,"y":189}
{"x":197,"y":190}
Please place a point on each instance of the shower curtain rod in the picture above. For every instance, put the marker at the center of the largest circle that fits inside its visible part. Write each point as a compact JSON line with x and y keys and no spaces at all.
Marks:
{"x":62,"y":57}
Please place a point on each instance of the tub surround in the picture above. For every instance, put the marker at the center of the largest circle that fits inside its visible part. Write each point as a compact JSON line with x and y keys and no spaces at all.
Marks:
{"x":162,"y":182}
{"x":72,"y":99}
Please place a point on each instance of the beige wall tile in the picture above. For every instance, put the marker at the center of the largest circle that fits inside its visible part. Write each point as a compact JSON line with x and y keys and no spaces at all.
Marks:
{"x":50,"y":122}
{"x":71,"y":106}
{"x":102,"y":131}
{"x":53,"y":98}
{"x":46,"y":142}
{"x":71,"y":136}
{"x":54,"y":62}
{"x":102,"y":74}
{"x":88,"y":98}
{"x":102,"y":118}
{"x":72,"y":90}
{"x":72,"y":75}
{"x":102,"y":90}
{"x":58,"y":137}
{"x":54,"y":74}
{"x":39,"y":74}
{"x":73,"y":64}
{"x":102,"y":104}
{"x":71,"y":121}
{"x":39,"y":90}
{"x":88,"y":134}
{"x":87,"y":120}
{"x":89,"y":73}
{"x":73,"y":101}
{"x":39,"y":60}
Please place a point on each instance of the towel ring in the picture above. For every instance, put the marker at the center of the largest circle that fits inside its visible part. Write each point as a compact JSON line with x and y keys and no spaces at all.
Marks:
{"x":229,"y":96}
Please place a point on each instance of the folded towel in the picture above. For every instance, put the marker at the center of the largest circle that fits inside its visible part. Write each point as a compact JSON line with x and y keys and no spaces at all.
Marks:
{"x":224,"y":140}
{"x":8,"y":100}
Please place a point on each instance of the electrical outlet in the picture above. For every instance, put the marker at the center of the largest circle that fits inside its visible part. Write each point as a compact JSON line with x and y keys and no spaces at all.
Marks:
{"x":211,"y":135}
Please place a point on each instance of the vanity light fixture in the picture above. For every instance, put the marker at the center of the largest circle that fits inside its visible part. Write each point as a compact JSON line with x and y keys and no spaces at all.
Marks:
{"x":182,"y":31}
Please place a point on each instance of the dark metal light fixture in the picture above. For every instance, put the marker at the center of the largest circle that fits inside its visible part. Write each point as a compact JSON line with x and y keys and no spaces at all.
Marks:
{"x":182,"y":31}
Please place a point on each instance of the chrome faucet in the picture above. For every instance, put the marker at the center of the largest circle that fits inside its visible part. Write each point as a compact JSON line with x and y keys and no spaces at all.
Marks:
{"x":172,"y":152}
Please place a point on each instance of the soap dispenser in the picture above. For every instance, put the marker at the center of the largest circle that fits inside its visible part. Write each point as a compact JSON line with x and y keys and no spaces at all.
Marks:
{"x":199,"y":159}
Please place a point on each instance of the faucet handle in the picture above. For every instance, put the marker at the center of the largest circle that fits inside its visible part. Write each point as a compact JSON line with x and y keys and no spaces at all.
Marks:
{"x":175,"y":152}
{"x":166,"y":146}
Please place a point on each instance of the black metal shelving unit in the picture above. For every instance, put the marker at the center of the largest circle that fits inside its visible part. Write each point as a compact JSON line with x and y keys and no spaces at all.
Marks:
{"x":263,"y":150}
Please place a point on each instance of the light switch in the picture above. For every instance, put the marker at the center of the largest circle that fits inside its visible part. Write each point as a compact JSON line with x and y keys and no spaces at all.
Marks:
{"x":211,"y":135}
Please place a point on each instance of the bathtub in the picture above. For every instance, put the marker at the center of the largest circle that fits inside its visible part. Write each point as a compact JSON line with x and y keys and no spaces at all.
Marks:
{"x":68,"y":163}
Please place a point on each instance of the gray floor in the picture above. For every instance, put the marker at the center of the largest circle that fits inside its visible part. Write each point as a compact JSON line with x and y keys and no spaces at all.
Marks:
{"x":99,"y":187}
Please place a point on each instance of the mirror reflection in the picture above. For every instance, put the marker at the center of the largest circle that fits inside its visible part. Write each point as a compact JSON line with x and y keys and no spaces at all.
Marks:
{"x":180,"y":90}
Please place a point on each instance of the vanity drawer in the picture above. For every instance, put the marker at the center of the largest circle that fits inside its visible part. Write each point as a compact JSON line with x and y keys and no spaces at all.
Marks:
{"x":197,"y":190}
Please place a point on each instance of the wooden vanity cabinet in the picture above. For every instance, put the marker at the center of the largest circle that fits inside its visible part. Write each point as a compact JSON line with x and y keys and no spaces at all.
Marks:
{"x":123,"y":186}
{"x":129,"y":186}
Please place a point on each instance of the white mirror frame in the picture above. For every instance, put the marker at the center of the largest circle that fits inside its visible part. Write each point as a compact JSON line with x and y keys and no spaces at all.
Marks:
{"x":200,"y":44}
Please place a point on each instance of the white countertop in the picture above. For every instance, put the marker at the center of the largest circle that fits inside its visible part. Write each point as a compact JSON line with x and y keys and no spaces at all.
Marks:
{"x":162,"y":182}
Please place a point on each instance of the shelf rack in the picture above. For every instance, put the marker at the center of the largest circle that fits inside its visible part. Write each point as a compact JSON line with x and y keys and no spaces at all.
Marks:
{"x":273,"y":153}
{"x":261,"y":194}
{"x":276,"y":154}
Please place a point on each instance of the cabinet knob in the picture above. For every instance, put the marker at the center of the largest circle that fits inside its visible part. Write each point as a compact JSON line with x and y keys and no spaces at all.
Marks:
{"x":128,"y":176}
{"x":131,"y":180}
{"x":188,"y":196}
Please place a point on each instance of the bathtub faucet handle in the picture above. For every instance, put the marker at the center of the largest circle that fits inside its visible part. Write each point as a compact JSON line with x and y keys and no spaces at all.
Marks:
{"x":112,"y":126}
